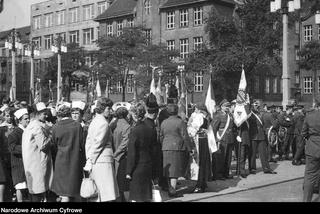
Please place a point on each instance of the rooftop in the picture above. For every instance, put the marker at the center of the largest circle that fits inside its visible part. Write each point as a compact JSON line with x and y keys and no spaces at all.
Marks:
{"x":174,"y":3}
{"x":117,"y":9}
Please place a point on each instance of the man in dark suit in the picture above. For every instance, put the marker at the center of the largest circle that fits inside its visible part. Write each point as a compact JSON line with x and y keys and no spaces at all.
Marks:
{"x":310,"y":131}
{"x":269,"y":124}
{"x":258,"y":140}
{"x":298,"y":139}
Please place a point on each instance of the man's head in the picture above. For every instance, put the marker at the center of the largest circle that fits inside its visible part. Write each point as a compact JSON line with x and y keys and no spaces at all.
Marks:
{"x":289,"y":109}
{"x":22,"y":116}
{"x":41,"y":111}
{"x":225,"y":105}
{"x":256,"y":105}
{"x":104,"y":107}
{"x":77,"y":110}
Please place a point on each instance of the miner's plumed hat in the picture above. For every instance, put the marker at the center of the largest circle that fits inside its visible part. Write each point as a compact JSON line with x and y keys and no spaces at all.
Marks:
{"x":151,"y":103}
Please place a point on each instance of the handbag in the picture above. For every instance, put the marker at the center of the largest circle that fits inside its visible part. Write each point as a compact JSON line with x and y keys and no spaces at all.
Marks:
{"x":156,"y":195}
{"x":88,"y":187}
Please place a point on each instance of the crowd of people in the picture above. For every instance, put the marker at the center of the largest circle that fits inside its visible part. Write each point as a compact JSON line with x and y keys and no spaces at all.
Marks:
{"x":127,"y":148}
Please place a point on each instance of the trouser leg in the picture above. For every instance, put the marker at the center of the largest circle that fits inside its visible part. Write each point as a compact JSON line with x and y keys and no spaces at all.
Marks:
{"x":262,"y":148}
{"x":243,"y":156}
{"x":228,"y":159}
{"x":311,"y":177}
{"x":253,"y":152}
{"x":300,"y":148}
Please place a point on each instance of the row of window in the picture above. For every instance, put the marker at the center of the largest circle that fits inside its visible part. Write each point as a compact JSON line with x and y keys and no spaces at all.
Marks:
{"x":308,"y":32}
{"x":308,"y":85}
{"x":184,"y":45}
{"x":120,"y":25}
{"x":184,"y":18}
{"x":59,"y":17}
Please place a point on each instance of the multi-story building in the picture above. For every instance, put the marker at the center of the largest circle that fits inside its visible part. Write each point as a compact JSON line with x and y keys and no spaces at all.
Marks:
{"x":22,"y":66}
{"x":70,"y":19}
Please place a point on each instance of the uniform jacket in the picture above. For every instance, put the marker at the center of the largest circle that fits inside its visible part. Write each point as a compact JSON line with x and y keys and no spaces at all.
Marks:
{"x":268,"y":120}
{"x":298,"y":119}
{"x":256,"y":130}
{"x":243,"y":132}
{"x":98,"y":138}
{"x":37,"y":159}
{"x":311,"y":131}
{"x":219,"y":123}
{"x":174,"y":136}
{"x":121,"y":138}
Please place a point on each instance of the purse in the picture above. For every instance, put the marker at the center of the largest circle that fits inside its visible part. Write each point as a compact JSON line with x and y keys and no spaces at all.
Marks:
{"x":156,"y":195}
{"x":88,"y":187}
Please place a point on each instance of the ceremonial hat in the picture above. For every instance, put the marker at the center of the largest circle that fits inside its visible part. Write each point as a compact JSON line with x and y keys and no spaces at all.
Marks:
{"x":19,"y":113}
{"x":224,"y":102}
{"x":151,"y":103}
{"x":64,"y":104}
{"x":118,"y":105}
{"x":40,"y":106}
{"x":78,"y":104}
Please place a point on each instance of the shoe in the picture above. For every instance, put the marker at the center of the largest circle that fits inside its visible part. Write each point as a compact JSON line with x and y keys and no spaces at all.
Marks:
{"x":270,"y":172}
{"x":198,"y":190}
{"x":253,"y":171}
{"x":296,"y":162}
{"x":243,"y":175}
{"x":228,"y":176}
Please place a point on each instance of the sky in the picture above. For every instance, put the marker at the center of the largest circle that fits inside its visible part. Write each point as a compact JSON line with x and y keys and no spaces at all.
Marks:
{"x":16,"y":13}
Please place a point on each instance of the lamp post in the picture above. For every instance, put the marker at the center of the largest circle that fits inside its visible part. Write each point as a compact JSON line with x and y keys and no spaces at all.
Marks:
{"x":32,"y":51}
{"x":59,"y":47}
{"x":285,"y":6}
{"x":13,"y":43}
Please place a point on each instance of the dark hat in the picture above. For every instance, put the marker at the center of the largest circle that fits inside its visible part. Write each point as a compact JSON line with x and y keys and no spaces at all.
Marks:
{"x":256,"y":102}
{"x":151,"y":103}
{"x":224,"y":102}
{"x":234,"y":102}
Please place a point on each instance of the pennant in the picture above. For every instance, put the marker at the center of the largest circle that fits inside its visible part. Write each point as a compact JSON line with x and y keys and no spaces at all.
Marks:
{"x":212,"y":144}
{"x":152,"y":87}
{"x":98,"y":89}
{"x":210,"y":102}
{"x":177,"y":85}
{"x":158,"y":92}
{"x":242,"y":111}
{"x":11,"y":94}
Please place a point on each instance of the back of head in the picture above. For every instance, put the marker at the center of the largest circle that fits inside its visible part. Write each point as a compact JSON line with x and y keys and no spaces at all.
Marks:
{"x":102,"y":104}
{"x":122,"y":113}
{"x":138,"y":109}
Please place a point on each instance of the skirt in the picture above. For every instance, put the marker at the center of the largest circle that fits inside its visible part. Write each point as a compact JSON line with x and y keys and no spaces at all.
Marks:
{"x":123,"y":183}
{"x":175,"y":163}
{"x":205,"y":173}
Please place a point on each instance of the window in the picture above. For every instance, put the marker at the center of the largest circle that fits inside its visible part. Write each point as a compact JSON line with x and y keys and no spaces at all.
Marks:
{"x":98,"y":32}
{"x":63,"y":36}
{"x":130,"y":83}
{"x":37,"y":41}
{"x":170,"y":20}
{"x":119,"y":28}
{"x":88,"y":12}
{"x":61,"y":17}
{"x":267,"y":88}
{"x":198,"y":82}
{"x":88,"y":36}
{"x":130,"y":22}
{"x":275,"y":85}
{"x":297,"y":77}
{"x":109,"y":29}
{"x":102,"y":6}
{"x":198,"y":16}
{"x":74,"y":36}
{"x":170,"y":45}
{"x":148,"y":35}
{"x":147,"y":6}
{"x":197,"y":43}
{"x":48,"y":20}
{"x":256,"y":84}
{"x":47,"y":42}
{"x":184,"y":18}
{"x":308,"y":85}
{"x":119,"y":87}
{"x":297,"y":52}
{"x":307,"y":33}
{"x":37,"y":22}
{"x":74,"y":14}
{"x":184,"y":48}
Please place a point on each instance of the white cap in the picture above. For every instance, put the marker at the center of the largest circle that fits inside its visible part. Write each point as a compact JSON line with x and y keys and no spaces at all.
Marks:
{"x":78,"y":104}
{"x":40,"y":106}
{"x":19,"y":113}
{"x":121,"y":104}
{"x":67,"y":104}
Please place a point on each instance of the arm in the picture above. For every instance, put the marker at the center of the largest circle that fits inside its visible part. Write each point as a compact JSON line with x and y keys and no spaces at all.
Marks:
{"x":305,"y":129}
{"x":42,"y":139}
{"x":14,"y":148}
{"x":185,"y":137}
{"x":123,"y":145}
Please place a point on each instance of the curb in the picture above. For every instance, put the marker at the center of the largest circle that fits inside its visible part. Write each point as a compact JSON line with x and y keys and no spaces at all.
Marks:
{"x":243,"y":190}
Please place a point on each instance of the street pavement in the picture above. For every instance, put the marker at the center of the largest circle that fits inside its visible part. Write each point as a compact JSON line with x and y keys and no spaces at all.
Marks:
{"x":286,"y":172}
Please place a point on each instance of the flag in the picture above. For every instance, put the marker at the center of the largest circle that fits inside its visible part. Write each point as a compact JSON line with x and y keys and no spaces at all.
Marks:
{"x":158,"y":92}
{"x":177,"y":85}
{"x":212,"y":144}
{"x":183,"y":99}
{"x":242,"y":111}
{"x":98,"y":89}
{"x":37,"y":93}
{"x":152,"y":87}
{"x":210,"y":102}
{"x":11,"y":94}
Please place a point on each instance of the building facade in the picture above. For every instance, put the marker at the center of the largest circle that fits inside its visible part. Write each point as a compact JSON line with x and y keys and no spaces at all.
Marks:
{"x":70,"y":19}
{"x":22,"y":66}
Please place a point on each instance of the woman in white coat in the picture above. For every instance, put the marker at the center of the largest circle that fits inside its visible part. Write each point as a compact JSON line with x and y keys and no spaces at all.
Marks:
{"x":99,"y":153}
{"x":36,"y":155}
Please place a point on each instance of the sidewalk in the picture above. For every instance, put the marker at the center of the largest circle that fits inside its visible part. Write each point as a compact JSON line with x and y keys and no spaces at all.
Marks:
{"x":286,"y":172}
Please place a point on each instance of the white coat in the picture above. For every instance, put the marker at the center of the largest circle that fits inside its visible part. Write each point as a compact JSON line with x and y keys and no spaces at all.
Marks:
{"x":37,"y":159}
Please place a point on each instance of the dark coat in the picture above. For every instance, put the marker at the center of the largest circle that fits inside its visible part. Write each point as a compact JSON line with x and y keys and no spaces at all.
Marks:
{"x":120,"y":138}
{"x":67,"y":135}
{"x":311,"y":131}
{"x":139,"y":162}
{"x":256,"y":130}
{"x":219,"y":123}
{"x":286,"y":120}
{"x":174,"y":136}
{"x":243,"y":132}
{"x":17,"y":169}
{"x":5,"y":162}
{"x":298,"y":119}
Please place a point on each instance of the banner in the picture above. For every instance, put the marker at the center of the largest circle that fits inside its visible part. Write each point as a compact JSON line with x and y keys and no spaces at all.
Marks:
{"x":210,"y":102}
{"x":242,"y":109}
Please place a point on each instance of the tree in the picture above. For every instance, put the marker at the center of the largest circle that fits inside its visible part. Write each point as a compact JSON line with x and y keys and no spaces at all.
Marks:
{"x":309,"y":60}
{"x":72,"y":61}
{"x":251,"y":37}
{"x":131,"y":51}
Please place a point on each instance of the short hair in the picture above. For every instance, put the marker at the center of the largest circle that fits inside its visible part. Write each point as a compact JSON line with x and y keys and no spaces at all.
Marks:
{"x":102,"y":104}
{"x":64,"y":111}
{"x":138,"y":110}
{"x":122,"y":112}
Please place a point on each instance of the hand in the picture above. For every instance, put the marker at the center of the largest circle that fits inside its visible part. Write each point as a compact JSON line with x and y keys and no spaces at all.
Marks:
{"x":88,"y":166}
{"x":239,"y":139}
{"x":128,"y":177}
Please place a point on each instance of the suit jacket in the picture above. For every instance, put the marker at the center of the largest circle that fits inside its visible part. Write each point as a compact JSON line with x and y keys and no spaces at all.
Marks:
{"x":99,"y":139}
{"x":311,"y":131}
{"x":298,"y":119}
{"x":174,"y":136}
{"x":121,"y":139}
{"x":256,"y":130}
